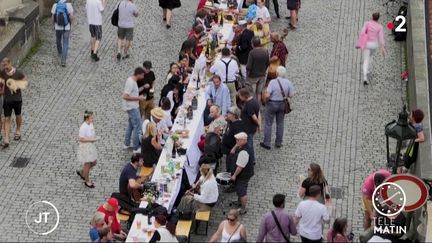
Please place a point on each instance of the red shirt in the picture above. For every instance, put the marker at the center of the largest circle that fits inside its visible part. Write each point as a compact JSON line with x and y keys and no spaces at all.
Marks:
{"x":201,"y":4}
{"x":368,"y":186}
{"x":115,"y":225}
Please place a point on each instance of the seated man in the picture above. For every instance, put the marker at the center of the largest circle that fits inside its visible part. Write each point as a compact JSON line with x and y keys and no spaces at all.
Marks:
{"x":217,"y":94}
{"x":217,"y":120}
{"x":203,"y":195}
{"x":129,"y":178}
{"x":110,"y":209}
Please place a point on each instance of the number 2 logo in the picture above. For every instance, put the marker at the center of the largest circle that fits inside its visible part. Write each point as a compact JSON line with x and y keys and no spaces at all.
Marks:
{"x":402,"y":23}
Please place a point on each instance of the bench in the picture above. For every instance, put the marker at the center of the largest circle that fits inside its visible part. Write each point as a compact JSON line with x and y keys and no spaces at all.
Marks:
{"x":183,"y":228}
{"x":202,"y":216}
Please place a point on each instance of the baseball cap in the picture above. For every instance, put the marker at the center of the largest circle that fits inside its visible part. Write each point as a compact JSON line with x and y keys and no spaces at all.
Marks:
{"x":113,"y":203}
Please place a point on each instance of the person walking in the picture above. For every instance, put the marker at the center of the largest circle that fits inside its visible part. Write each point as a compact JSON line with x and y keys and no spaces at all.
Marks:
{"x":62,"y":18}
{"x":227,"y":68}
{"x":167,"y":8}
{"x":277,"y":225}
{"x":293,"y":6}
{"x":311,"y":215}
{"x":87,"y":153}
{"x":370,"y":39}
{"x":315,"y":177}
{"x":276,"y":7}
{"x":278,"y":90}
{"x":94,"y":9}
{"x":251,"y":117}
{"x":230,"y":230}
{"x":131,"y":100}
{"x":12,"y":100}
{"x":256,"y":68}
{"x":127,"y":12}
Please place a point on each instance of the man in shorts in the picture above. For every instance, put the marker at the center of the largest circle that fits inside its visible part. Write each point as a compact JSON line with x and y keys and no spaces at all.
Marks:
{"x":371,"y":182}
{"x":12,"y":100}
{"x":94,"y":17}
{"x":127,"y":12}
{"x":243,"y":168}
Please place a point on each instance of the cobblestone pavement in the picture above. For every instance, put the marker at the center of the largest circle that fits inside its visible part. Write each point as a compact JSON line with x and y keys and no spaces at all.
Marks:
{"x":337,"y":122}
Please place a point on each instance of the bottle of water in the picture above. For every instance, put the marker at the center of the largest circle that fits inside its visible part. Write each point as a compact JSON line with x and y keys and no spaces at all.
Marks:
{"x":171,"y":167}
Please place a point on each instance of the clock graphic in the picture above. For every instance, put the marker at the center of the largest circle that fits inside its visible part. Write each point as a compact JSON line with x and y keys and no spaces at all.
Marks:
{"x":389,"y":199}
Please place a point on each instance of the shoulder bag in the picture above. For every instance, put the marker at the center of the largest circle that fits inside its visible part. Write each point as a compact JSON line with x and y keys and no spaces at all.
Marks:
{"x":115,"y":16}
{"x":279,"y":227}
{"x":287,"y":108}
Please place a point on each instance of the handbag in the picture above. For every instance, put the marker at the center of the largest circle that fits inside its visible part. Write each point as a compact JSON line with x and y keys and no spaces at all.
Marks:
{"x":362,"y":40}
{"x":115,"y":16}
{"x":279,"y":227}
{"x":287,"y":107}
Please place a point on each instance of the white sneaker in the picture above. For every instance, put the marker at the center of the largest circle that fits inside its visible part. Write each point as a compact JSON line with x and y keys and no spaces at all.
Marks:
{"x":138,"y":151}
{"x":126,"y":147}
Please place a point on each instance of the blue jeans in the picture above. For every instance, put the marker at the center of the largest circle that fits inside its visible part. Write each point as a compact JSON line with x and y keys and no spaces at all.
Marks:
{"x":134,"y":128}
{"x":62,"y":35}
{"x":251,"y":146}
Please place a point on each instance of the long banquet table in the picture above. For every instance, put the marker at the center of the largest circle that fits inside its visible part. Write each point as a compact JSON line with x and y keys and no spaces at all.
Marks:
{"x":188,"y":162}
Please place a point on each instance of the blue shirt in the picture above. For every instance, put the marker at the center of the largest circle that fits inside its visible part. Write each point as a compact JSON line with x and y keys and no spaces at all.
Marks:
{"x":275,"y":91}
{"x":220,"y":97}
{"x":94,"y":235}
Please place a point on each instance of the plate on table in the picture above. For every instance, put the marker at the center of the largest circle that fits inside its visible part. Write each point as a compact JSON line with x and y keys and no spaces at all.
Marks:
{"x":184,"y":133}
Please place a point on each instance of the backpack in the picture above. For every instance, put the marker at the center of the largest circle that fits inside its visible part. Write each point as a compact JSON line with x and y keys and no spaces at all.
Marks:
{"x":115,"y":16}
{"x":61,"y":15}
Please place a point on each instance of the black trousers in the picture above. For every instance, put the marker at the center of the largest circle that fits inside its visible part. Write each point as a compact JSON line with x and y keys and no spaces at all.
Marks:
{"x":306,"y":240}
{"x":275,"y":4}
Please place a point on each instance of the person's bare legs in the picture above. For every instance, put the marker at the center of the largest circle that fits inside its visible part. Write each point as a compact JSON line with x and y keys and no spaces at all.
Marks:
{"x":119,"y":45}
{"x":243,"y":201}
{"x":7,"y":129}
{"x":86,"y":171}
{"x":126,"y":46}
{"x":92,"y":44}
{"x":164,"y":13}
{"x":293,"y":19}
{"x":18,"y":122}
{"x":96,"y":46}
{"x":168,"y":16}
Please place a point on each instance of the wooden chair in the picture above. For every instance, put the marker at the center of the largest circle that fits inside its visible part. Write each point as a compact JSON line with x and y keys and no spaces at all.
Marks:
{"x":203,"y":216}
{"x":183,"y":228}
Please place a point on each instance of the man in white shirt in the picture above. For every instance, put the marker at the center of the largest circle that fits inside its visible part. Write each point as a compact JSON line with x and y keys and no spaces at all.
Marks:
{"x":262,"y":12}
{"x":62,"y":17}
{"x":127,"y":12}
{"x":131,"y":100}
{"x":311,"y":214}
{"x":94,"y":10}
{"x":227,"y":68}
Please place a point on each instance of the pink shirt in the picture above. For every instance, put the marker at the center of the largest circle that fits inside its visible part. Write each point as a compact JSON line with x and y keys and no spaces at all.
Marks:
{"x":368,"y":186}
{"x":374,"y":31}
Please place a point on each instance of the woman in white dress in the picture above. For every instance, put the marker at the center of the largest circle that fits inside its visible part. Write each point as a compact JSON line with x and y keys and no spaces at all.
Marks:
{"x":230,"y":230}
{"x":87,"y":153}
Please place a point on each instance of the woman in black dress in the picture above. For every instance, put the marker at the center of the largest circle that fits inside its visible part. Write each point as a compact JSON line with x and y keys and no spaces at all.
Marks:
{"x":151,"y":145}
{"x":176,"y":98}
{"x":167,"y":7}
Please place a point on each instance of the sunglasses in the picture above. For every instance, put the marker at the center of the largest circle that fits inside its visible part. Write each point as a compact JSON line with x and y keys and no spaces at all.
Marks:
{"x":231,"y":220}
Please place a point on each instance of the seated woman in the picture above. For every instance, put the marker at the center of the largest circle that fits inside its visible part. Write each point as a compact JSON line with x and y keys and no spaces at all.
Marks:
{"x":151,"y":145}
{"x":174,"y":69}
{"x":172,"y":82}
{"x":203,"y":195}
{"x":166,"y":107}
{"x":97,"y":223}
{"x":165,"y":231}
{"x":176,"y":100}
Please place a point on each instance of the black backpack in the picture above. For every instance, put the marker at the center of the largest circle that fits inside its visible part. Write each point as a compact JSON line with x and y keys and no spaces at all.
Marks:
{"x":115,"y":16}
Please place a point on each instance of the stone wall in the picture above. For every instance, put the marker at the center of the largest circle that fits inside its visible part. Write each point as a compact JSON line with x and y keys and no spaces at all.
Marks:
{"x":21,"y":32}
{"x":418,"y":90}
{"x":45,"y":7}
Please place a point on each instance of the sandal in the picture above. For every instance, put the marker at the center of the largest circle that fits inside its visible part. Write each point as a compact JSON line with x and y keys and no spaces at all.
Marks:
{"x":89,"y":186}
{"x":17,"y":137}
{"x":5,"y":145}
{"x":79,"y":173}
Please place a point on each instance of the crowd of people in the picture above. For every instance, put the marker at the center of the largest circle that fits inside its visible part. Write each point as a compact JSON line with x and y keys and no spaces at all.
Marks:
{"x":246,"y":77}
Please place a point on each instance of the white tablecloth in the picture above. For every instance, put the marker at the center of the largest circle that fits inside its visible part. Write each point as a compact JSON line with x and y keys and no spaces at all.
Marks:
{"x":189,"y":162}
